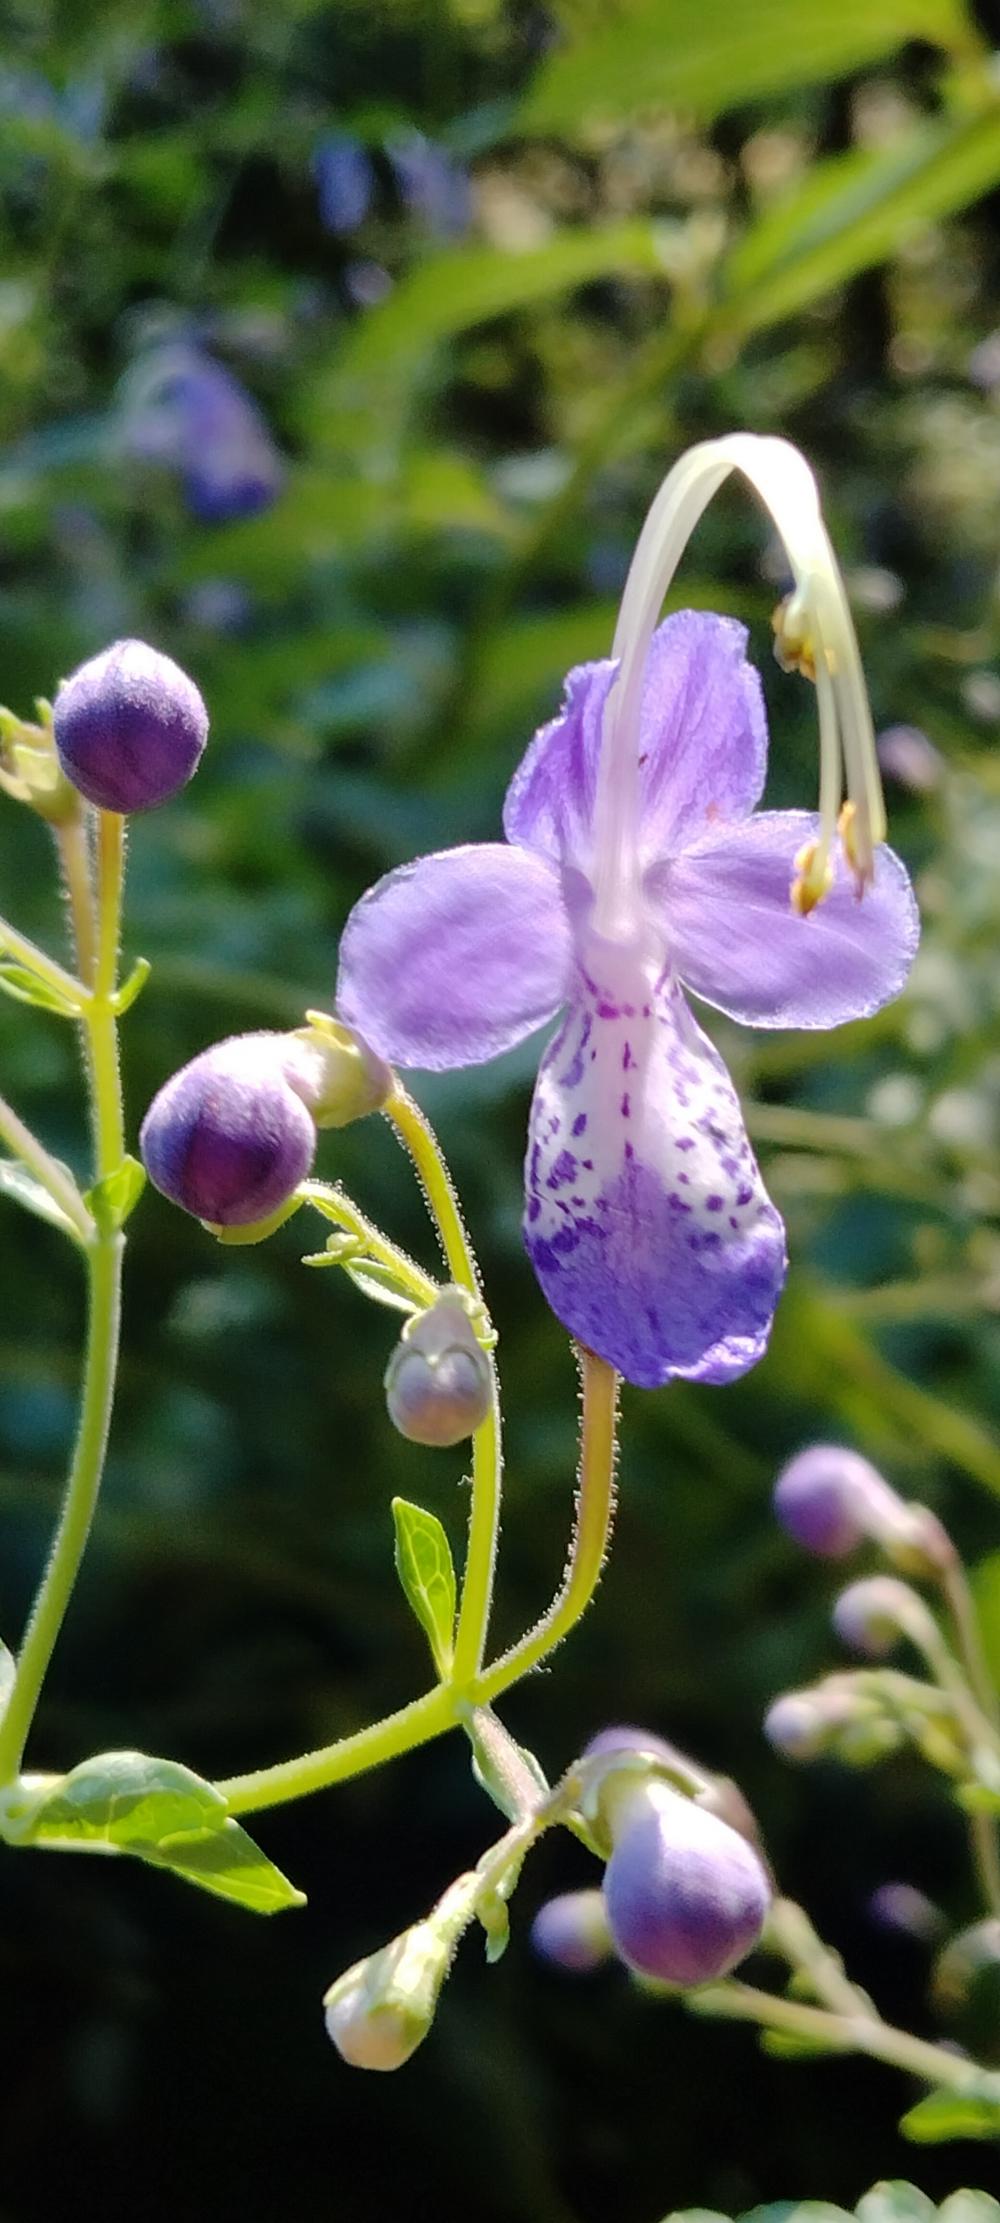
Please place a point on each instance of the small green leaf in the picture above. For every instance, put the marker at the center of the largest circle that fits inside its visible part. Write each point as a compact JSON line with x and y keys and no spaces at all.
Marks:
{"x":380,"y":1283}
{"x":426,"y":1570}
{"x":17,"y":1183}
{"x":26,"y":987}
{"x":113,"y":1199}
{"x":492,"y":1912}
{"x":944,"y":2115}
{"x":121,"y":1799}
{"x":133,"y":986}
{"x":227,"y":1863}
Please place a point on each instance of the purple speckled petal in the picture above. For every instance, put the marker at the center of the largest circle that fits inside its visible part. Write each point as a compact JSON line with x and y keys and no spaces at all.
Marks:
{"x":453,"y":959}
{"x":725,"y":913}
{"x":702,"y":742}
{"x":646,"y":1220}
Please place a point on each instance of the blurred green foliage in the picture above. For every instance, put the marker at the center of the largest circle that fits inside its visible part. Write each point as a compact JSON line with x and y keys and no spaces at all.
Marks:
{"x":684,"y":216}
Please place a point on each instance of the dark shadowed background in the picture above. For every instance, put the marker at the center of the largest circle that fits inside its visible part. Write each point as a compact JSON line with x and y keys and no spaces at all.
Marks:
{"x":342,"y":347}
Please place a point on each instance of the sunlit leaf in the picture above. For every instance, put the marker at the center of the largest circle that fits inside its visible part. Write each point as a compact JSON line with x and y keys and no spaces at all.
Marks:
{"x":704,"y":56}
{"x":123,"y":1799}
{"x":227,"y":1863}
{"x":944,"y":2115}
{"x":426,"y":1571}
{"x":853,"y":211}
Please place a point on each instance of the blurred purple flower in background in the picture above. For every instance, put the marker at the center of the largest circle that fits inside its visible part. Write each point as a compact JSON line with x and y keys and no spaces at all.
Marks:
{"x":433,"y":186}
{"x":647,"y":1221}
{"x":179,"y":408}
{"x":345,"y":181}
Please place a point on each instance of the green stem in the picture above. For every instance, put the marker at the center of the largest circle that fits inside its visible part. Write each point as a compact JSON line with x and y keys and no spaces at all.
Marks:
{"x":104,"y":1266}
{"x":102,"y":1023}
{"x":595,"y":1503}
{"x":401,"y":1732}
{"x":104,"y":1304}
{"x":847,"y":2033}
{"x":419,"y":1139}
{"x":58,"y":1185}
{"x":71,"y":842}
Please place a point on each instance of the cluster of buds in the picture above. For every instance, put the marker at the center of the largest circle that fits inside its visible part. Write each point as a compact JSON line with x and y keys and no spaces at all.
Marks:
{"x":686,"y":1892}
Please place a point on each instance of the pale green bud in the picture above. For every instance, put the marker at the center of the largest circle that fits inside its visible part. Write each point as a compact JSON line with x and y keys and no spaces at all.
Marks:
{"x":341,"y":1079}
{"x":380,"y":2010}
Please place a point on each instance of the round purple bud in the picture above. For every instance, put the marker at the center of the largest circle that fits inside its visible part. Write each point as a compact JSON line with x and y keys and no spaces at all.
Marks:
{"x":686,"y":1896}
{"x":437,"y":1382}
{"x":823,"y":1495}
{"x":230,"y":1137}
{"x":571,"y":1931}
{"x":129,"y":727}
{"x":624,"y":1738}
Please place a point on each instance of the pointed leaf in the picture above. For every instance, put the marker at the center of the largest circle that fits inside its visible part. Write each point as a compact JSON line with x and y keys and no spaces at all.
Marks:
{"x":426,"y":1571}
{"x":26,"y":987}
{"x":380,"y":1283}
{"x":227,"y":1863}
{"x":944,"y":2115}
{"x":8,"y":1670}
{"x":113,"y":1199}
{"x":17,"y":1183}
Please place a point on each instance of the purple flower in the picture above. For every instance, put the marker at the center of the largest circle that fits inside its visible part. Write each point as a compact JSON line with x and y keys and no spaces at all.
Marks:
{"x":345,"y":181}
{"x":636,"y":868}
{"x":433,"y":185}
{"x":129,"y":727}
{"x":686,"y":1897}
{"x":182,"y":409}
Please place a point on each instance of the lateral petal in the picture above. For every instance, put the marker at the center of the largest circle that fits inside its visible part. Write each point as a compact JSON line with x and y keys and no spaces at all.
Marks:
{"x":453,"y":959}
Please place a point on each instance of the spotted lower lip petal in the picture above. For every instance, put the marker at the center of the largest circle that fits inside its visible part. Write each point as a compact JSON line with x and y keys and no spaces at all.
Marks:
{"x":646,"y":1219}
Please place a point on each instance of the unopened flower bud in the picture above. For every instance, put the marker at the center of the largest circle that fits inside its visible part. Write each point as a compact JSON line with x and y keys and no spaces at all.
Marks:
{"x":686,"y":1896}
{"x":829,"y":1499}
{"x":824,"y":1498}
{"x":901,"y":1907}
{"x":231,"y":1135}
{"x":797,"y":1725}
{"x":572,"y":1932}
{"x":437,"y":1382}
{"x":380,"y":2010}
{"x":129,"y":727}
{"x":966,"y":1983}
{"x":872,"y":1616}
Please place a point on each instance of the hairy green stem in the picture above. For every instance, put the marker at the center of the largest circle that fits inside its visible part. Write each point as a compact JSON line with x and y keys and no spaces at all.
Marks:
{"x":104,"y":1307}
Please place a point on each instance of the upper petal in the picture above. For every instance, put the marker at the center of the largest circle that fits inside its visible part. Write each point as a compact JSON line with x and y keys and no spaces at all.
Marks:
{"x":725,"y":913}
{"x":702,"y":746}
{"x":646,"y":1219}
{"x":451,"y":960}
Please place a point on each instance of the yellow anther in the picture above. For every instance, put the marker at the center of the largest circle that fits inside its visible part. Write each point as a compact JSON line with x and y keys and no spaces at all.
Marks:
{"x":813,"y":878}
{"x":857,"y":848}
{"x":793,"y":648}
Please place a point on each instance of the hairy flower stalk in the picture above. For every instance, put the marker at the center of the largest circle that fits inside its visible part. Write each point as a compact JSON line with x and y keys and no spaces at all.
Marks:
{"x":637,"y":870}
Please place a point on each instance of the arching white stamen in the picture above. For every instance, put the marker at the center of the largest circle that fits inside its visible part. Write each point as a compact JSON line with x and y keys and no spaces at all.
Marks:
{"x":782,"y":479}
